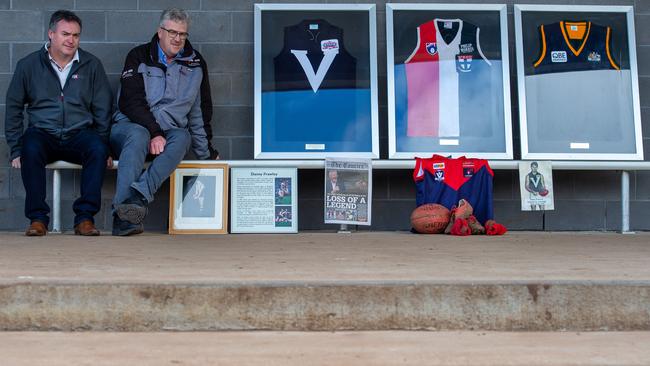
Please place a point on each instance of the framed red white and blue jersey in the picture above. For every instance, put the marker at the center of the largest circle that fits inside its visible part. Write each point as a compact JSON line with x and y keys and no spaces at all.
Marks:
{"x":315,"y":81}
{"x":448,"y":80}
{"x":578,"y":83}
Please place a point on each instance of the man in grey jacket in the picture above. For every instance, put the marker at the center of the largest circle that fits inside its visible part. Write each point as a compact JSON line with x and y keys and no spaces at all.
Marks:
{"x":68,"y":101}
{"x":165,"y":108}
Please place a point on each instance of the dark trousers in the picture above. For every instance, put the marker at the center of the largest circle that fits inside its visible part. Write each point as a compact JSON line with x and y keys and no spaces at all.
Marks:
{"x":40,"y":148}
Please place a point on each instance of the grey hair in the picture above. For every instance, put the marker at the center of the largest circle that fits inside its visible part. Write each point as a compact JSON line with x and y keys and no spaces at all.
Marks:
{"x":175,"y":15}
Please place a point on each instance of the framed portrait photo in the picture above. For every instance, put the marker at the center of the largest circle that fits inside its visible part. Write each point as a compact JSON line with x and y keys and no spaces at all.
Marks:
{"x":448,"y":81}
{"x":198,"y":202}
{"x":315,"y":81}
{"x":578,"y":83}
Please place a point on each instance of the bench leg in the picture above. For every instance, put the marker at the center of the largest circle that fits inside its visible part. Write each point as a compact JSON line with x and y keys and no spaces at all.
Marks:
{"x":56,"y":201}
{"x":625,"y":203}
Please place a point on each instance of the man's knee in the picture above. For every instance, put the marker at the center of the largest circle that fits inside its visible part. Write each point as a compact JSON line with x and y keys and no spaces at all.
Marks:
{"x":32,"y":150}
{"x":135,"y":139}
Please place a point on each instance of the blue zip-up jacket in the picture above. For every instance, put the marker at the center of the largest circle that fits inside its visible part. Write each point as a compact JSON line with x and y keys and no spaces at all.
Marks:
{"x":161,"y":97}
{"x":85,"y":101}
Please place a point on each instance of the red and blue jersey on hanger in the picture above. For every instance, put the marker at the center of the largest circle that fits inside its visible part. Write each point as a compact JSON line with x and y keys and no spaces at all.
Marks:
{"x":445,"y":181}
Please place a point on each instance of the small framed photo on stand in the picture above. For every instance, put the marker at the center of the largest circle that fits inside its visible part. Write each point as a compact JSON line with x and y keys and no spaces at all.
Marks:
{"x":198,"y":199}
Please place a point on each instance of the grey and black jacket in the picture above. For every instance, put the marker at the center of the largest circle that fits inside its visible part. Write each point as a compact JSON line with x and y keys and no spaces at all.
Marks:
{"x":161,"y":97}
{"x":84,"y":102}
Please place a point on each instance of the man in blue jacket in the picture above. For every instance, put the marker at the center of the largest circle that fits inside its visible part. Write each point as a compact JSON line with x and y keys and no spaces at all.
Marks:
{"x":68,"y":101}
{"x":165,"y":109}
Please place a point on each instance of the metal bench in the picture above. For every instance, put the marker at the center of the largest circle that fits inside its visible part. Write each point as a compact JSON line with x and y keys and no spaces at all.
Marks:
{"x":623,"y":166}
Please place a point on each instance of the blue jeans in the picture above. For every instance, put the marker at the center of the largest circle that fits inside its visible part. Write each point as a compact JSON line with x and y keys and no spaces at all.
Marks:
{"x":40,"y":148}
{"x":130,"y":142}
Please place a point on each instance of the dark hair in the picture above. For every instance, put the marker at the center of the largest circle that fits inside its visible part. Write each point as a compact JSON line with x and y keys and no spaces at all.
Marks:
{"x":66,"y":15}
{"x":534,"y":164}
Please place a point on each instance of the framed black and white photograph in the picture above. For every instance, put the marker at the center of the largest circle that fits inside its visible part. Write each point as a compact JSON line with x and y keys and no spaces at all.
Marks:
{"x":315,"y":81}
{"x":198,"y":202}
{"x":448,"y":81}
{"x":578,"y":83}
{"x":264,"y":200}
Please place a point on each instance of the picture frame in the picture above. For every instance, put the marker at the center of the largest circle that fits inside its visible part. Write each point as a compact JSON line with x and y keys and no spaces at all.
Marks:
{"x":579,"y":92}
{"x":302,"y":111}
{"x":472,"y":81}
{"x":263,"y":200}
{"x":198,"y":199}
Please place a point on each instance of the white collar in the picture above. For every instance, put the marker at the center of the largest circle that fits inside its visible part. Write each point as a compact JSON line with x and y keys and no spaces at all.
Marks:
{"x":74,"y":58}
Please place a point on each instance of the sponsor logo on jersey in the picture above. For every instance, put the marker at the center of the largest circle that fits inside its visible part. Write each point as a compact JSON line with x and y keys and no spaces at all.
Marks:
{"x":439,"y":175}
{"x":468,"y":172}
{"x":593,"y":56}
{"x":438,"y":166}
{"x":464,"y":63}
{"x":466,"y":48}
{"x":432,"y":48}
{"x":558,"y":56}
{"x":329,"y":44}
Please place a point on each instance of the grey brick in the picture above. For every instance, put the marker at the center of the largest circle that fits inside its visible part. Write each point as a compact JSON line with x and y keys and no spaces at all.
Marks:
{"x":380,"y":183}
{"x":5,"y":79}
{"x":107,"y":5}
{"x":242,"y":26}
{"x":210,"y":27}
{"x":5,"y":181}
{"x":4,"y":153}
{"x":504,"y":184}
{"x":310,"y":216}
{"x":94,"y":25}
{"x":576,"y":215}
{"x":11,"y":215}
{"x":242,"y":89}
{"x":164,"y":4}
{"x":228,"y":4}
{"x":20,"y":50}
{"x":158,"y":217}
{"x":564,"y":185}
{"x":645,"y":124}
{"x":108,"y":188}
{"x":220,"y":86}
{"x":613,"y":216}
{"x":233,"y":121}
{"x":642,"y":6}
{"x":311,"y":184}
{"x":644,"y":91}
{"x":4,"y":4}
{"x":4,"y":58}
{"x":235,"y":57}
{"x":639,"y":212}
{"x":222,"y":144}
{"x":604,"y":2}
{"x":400,"y":185}
{"x":43,"y":4}
{"x":599,"y":185}
{"x":16,"y":186}
{"x":112,"y":55}
{"x":2,"y":131}
{"x":508,"y":213}
{"x":22,"y":25}
{"x":642,"y":24}
{"x":147,"y":23}
{"x":641,"y":185}
{"x":242,"y":148}
{"x":643,"y":58}
{"x":391,"y":214}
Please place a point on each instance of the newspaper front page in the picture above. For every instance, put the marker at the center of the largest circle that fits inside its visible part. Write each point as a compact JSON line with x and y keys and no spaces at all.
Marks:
{"x":348,"y":191}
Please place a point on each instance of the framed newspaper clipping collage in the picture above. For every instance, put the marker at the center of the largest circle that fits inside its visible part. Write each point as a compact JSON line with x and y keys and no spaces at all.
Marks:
{"x":315,"y":81}
{"x":578,"y":83}
{"x":448,"y":81}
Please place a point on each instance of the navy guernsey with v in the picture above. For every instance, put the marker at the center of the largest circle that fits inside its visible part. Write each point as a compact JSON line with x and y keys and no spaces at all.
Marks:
{"x":445,"y":181}
{"x":314,"y":103}
{"x":574,"y":46}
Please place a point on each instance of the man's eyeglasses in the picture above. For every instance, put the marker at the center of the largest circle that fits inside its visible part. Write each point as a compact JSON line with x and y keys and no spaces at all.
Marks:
{"x":172,"y":33}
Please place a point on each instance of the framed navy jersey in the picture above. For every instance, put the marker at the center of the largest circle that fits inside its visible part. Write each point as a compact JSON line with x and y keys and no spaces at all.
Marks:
{"x":448,"y":80}
{"x":578,"y":83}
{"x":315,"y":81}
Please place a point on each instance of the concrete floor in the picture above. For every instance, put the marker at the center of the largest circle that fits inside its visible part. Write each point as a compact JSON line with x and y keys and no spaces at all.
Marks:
{"x":324,"y":348}
{"x":364,"y":257}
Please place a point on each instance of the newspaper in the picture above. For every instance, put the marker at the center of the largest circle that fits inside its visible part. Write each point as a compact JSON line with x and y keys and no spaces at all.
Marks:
{"x":348,"y":191}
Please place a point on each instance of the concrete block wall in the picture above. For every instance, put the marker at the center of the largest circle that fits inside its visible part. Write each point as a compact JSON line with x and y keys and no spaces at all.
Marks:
{"x":223,"y":32}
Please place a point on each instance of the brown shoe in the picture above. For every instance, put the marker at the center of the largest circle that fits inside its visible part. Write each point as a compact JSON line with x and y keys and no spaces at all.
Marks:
{"x":86,"y":228}
{"x":36,"y":228}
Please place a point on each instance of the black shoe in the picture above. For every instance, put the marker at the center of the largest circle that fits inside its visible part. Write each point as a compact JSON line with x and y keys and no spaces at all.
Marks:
{"x":133,"y":209}
{"x":125,"y":228}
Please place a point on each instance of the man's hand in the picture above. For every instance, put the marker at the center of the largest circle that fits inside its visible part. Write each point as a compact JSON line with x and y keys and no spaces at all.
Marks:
{"x":109,"y":162}
{"x":157,"y":145}
{"x":16,"y":163}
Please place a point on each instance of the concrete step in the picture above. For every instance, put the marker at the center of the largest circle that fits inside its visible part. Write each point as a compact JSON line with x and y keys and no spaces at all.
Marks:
{"x":324,"y":348}
{"x":326,"y":281}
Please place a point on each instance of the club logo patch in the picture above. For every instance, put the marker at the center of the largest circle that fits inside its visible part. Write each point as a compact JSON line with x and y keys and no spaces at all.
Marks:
{"x":468,"y":172}
{"x":466,"y":48}
{"x":329,"y":44}
{"x":558,"y":56}
{"x":439,"y":176}
{"x":432,"y":48}
{"x":593,"y":56}
{"x":464,"y":63}
{"x":438,"y":166}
